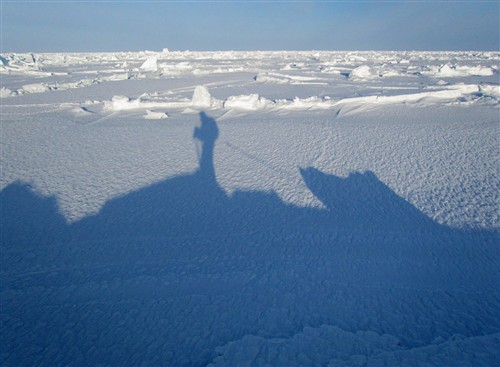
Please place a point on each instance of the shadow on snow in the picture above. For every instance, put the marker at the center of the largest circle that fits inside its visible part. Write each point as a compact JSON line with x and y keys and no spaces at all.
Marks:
{"x":167,"y":273}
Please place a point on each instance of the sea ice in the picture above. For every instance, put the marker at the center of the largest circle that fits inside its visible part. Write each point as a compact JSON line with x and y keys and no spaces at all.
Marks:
{"x":151,"y":64}
{"x":343,"y":212}
{"x":201,"y":97}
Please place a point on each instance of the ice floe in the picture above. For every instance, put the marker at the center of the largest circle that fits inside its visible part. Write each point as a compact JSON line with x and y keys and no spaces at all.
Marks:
{"x":250,"y":102}
{"x":152,"y":115}
{"x":201,"y":97}
{"x":151,"y":64}
{"x":363,"y":72}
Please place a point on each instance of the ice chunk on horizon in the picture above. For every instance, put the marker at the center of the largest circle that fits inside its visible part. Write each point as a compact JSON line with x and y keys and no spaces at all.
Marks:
{"x":5,"y":92}
{"x":151,"y":64}
{"x":363,"y":72}
{"x":201,"y":97}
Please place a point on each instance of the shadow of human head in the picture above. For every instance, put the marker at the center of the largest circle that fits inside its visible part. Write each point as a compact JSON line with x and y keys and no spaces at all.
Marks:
{"x":208,"y":132}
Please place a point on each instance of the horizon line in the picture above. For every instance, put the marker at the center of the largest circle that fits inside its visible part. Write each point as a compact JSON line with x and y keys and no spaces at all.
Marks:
{"x":236,"y":51}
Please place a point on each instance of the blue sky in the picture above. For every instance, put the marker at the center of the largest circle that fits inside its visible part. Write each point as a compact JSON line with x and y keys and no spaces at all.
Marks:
{"x":52,"y":26}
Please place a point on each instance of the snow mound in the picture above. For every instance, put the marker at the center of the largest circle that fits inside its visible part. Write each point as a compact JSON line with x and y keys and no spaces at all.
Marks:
{"x":251,"y":102}
{"x":21,"y":64}
{"x":201,"y":97}
{"x":389,"y":71}
{"x":30,"y":59}
{"x":5,"y":92}
{"x":271,"y":78}
{"x":116,"y":77}
{"x":124,"y":103}
{"x":294,"y":66}
{"x":175,"y":69}
{"x":451,"y":94}
{"x":218,"y":70}
{"x":184,"y":65}
{"x":151,"y":64}
{"x":151,"y":115}
{"x":490,"y":90}
{"x":284,"y":78}
{"x":451,"y":71}
{"x":313,"y":102}
{"x":363,"y":72}
{"x":35,"y":88}
{"x":330,"y":70}
{"x":120,"y":103}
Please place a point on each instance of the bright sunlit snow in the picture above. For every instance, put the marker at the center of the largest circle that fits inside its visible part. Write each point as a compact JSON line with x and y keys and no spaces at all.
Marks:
{"x":250,"y":208}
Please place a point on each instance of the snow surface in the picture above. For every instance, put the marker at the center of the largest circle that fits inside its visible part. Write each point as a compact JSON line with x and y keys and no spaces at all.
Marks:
{"x":295,"y":208}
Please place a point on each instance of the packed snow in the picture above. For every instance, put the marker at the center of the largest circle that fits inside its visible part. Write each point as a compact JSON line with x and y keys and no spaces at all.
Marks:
{"x":250,"y":208}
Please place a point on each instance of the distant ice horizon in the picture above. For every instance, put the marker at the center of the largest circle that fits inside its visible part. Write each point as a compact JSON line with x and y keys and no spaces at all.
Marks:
{"x":247,"y":51}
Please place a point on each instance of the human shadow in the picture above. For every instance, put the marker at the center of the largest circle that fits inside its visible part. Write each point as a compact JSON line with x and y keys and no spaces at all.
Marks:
{"x":166,"y":274}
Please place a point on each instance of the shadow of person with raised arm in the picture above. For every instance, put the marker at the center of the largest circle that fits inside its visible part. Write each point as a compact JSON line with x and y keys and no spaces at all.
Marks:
{"x":179,"y":207}
{"x":207,"y":134}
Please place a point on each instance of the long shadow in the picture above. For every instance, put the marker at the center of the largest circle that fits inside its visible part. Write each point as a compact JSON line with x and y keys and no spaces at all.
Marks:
{"x":168,"y":273}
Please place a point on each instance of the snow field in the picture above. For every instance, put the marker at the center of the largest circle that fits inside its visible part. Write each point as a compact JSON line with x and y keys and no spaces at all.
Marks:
{"x":266,"y":208}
